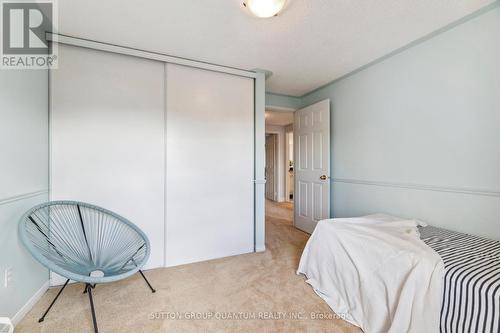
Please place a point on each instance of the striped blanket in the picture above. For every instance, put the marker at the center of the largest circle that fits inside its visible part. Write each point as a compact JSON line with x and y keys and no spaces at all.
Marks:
{"x":471,"y":293}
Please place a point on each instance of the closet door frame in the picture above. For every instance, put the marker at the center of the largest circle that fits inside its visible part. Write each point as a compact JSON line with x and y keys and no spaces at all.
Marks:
{"x":259,"y":111}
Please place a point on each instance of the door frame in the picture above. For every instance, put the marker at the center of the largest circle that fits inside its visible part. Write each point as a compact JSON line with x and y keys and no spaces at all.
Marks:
{"x":276,"y":164}
{"x":281,"y":153}
{"x":287,"y":159}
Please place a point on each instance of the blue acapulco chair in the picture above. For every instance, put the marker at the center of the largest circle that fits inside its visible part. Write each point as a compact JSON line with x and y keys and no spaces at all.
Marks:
{"x":84,"y":243}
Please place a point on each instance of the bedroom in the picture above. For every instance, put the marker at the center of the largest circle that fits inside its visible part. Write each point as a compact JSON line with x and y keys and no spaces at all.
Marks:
{"x":137,"y":115}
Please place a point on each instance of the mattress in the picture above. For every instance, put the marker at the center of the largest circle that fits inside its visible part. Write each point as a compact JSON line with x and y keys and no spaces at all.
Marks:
{"x":471,"y":291}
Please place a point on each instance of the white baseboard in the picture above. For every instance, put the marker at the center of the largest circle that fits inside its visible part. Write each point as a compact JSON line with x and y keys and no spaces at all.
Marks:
{"x":260,"y":248}
{"x":57,"y":280}
{"x":29,"y":305}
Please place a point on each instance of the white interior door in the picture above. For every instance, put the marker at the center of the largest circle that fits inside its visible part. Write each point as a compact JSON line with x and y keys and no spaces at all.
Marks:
{"x":312,"y":165}
{"x":271,"y":166}
{"x":210,"y":165}
{"x":107,"y":137}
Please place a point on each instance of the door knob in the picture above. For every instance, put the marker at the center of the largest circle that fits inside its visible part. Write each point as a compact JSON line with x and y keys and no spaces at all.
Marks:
{"x":323,"y":177}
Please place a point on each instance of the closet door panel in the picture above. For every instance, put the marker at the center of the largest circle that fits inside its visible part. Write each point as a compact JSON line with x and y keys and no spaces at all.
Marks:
{"x":210,"y":165}
{"x":107,"y":137}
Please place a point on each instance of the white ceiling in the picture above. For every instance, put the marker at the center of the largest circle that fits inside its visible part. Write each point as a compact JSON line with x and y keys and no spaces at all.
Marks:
{"x":279,"y":118}
{"x":311,"y":43}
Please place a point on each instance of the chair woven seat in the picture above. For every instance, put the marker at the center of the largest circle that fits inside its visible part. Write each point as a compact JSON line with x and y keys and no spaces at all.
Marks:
{"x":83,"y":242}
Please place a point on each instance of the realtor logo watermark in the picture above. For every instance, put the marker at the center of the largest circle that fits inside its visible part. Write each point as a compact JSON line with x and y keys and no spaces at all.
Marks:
{"x":24,"y":28}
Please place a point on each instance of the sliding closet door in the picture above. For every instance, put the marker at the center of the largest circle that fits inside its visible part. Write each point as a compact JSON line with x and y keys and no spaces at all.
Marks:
{"x":210,"y":165}
{"x":107,"y":137}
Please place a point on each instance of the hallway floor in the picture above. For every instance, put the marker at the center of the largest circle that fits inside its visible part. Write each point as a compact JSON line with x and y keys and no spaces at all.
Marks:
{"x":251,"y":292}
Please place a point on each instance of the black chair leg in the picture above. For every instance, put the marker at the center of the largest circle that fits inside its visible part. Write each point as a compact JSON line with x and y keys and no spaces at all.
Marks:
{"x":85,"y":289}
{"x":149,"y":284}
{"x":51,"y":304}
{"x":89,"y":291}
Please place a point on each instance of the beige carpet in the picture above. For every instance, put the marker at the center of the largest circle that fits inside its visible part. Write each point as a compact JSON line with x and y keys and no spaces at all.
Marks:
{"x":257,"y":292}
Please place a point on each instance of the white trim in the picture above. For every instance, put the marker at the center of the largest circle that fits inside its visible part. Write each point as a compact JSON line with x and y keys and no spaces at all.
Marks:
{"x":22,"y":196}
{"x":279,"y":161}
{"x":279,"y":108}
{"x":107,"y":47}
{"x":56,"y":280}
{"x":29,"y":305}
{"x":287,"y":166}
{"x":461,"y":190}
{"x":260,"y":248}
{"x":260,"y":162}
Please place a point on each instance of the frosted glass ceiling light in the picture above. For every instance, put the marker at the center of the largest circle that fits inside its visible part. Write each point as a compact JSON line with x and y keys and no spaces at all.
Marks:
{"x":264,"y":8}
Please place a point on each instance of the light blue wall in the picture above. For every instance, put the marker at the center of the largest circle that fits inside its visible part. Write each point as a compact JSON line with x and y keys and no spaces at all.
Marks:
{"x":23,"y":178}
{"x":282,"y":101}
{"x":418,"y":134}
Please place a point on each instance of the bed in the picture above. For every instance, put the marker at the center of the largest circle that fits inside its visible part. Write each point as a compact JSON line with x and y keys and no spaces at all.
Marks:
{"x":386,"y":274}
{"x":471,"y":285}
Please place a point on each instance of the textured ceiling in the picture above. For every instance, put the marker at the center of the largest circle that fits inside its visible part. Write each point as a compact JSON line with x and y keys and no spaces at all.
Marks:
{"x":311,"y":43}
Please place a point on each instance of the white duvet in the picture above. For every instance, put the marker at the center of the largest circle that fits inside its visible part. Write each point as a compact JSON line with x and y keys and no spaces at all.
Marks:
{"x":376,"y":273}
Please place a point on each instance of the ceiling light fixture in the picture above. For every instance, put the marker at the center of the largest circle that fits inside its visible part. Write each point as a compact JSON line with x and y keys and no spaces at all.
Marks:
{"x":265,"y":8}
